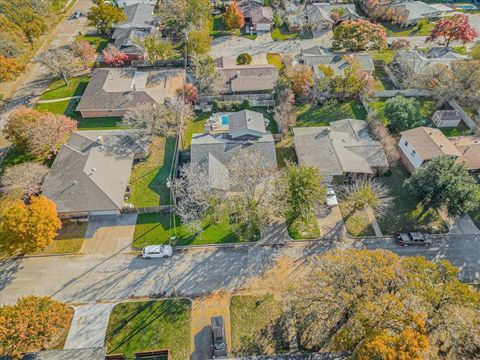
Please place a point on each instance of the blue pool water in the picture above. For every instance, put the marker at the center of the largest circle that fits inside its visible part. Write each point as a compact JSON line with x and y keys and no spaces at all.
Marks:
{"x":467,"y":7}
{"x":224,"y":120}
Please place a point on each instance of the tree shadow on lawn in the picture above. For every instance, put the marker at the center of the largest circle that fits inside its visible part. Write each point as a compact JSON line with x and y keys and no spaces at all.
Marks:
{"x":323,"y":115}
{"x":170,"y":310}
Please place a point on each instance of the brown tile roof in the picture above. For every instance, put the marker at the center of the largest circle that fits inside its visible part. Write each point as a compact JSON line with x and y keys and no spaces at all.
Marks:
{"x":430,"y":143}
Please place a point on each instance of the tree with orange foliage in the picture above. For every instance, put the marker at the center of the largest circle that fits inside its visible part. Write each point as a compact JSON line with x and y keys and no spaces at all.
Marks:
{"x":9,"y":68}
{"x":29,"y":227}
{"x":233,"y":17}
{"x":411,"y":343}
{"x":38,"y":133}
{"x":300,"y":77}
{"x":32,"y":324}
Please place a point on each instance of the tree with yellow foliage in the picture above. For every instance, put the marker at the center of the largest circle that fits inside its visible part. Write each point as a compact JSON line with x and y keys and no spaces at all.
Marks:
{"x":28,"y":227}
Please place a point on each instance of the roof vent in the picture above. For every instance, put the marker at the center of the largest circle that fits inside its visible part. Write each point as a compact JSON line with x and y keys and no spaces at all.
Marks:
{"x":100,"y":140}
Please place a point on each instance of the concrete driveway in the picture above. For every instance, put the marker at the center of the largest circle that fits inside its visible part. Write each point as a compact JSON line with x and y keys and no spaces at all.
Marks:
{"x":109,"y":234}
{"x":89,"y":326}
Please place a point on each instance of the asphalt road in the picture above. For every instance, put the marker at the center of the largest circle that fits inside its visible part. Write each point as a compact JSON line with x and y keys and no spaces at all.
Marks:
{"x":95,"y":278}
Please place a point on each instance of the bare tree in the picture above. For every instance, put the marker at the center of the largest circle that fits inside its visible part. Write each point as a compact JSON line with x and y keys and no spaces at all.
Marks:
{"x":252,"y":199}
{"x":25,"y":178}
{"x":182,"y":110}
{"x":284,"y":111}
{"x":196,"y":200}
{"x":155,"y":119}
{"x":208,"y":80}
{"x":388,"y":142}
{"x":60,"y":62}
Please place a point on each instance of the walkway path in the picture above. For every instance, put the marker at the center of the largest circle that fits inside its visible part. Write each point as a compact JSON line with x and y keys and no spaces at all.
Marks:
{"x":460,"y":224}
{"x":373,"y":221}
{"x":89,"y":326}
{"x":58,"y":100}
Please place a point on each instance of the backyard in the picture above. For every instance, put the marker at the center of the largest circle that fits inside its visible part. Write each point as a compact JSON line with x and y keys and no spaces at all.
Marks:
{"x":148,"y":181}
{"x":150,"y":325}
{"x":330,"y":111}
{"x":427,"y":107}
{"x":382,"y":81}
{"x":258,"y":326}
{"x":158,"y":228}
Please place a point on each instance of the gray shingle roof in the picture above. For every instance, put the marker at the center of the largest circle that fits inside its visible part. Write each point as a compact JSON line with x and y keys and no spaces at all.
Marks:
{"x":124,"y":39}
{"x":215,"y":151}
{"x":246,"y":122}
{"x":245,"y":78}
{"x":346,"y":146}
{"x":92,"y":170}
{"x":323,"y":12}
{"x":125,"y":88}
{"x":418,"y":10}
{"x":335,"y":61}
{"x":139,"y":14}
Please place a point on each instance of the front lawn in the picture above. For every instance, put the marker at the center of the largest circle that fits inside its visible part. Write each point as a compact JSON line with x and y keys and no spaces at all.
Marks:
{"x":257,"y":326}
{"x":150,"y":325}
{"x":148,"y":181}
{"x":423,"y":29}
{"x":69,"y":239}
{"x":158,"y":228}
{"x":58,"y":90}
{"x":299,"y":229}
{"x":65,"y":107}
{"x":405,"y":214}
{"x":99,"y":42}
{"x":331,"y":111}
{"x":282,"y":33}
{"x":357,"y":224}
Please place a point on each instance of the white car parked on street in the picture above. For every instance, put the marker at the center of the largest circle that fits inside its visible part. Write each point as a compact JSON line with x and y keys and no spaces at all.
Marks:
{"x":157,"y":251}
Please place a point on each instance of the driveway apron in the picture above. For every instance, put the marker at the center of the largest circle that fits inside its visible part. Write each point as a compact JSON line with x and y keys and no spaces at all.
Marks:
{"x":89,"y":326}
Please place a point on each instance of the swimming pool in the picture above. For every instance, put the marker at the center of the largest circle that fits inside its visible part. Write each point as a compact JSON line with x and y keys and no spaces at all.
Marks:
{"x":224,"y":120}
{"x":467,"y":7}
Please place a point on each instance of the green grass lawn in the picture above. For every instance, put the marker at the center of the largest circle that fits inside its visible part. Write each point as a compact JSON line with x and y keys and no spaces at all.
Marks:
{"x":331,"y":111}
{"x":69,"y":239}
{"x":285,"y":151}
{"x":307,"y":229}
{"x":158,"y":228}
{"x":58,"y":90}
{"x":99,"y":123}
{"x":150,"y":325}
{"x":358,"y":223}
{"x":65,"y":107}
{"x":404,"y":214}
{"x":197,"y":126}
{"x":148,"y":181}
{"x":382,"y":81}
{"x":461,"y":130}
{"x":15,"y":156}
{"x":393,"y":30}
{"x":257,"y":326}
{"x":275,"y":59}
{"x":282,"y":33}
{"x":385,"y":55}
{"x":99,"y":42}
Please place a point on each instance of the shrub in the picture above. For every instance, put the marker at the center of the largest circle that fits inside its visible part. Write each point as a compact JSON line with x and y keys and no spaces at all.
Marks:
{"x":357,"y":224}
{"x":246,"y":104}
{"x":244,"y":59}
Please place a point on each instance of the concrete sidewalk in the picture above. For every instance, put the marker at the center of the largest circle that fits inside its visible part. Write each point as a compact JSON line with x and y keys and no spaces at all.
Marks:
{"x":89,"y":326}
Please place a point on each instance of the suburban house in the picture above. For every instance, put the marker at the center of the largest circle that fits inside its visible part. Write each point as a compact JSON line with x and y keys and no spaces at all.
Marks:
{"x":240,"y":79}
{"x":317,"y":55}
{"x":258,"y":18}
{"x":446,"y":118}
{"x":319,"y":15}
{"x":91,"y":172}
{"x":140,"y":23}
{"x":345,"y":148}
{"x":420,"y":145}
{"x":228,"y":135}
{"x":113,"y":91}
{"x":124,"y":3}
{"x":416,"y":61}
